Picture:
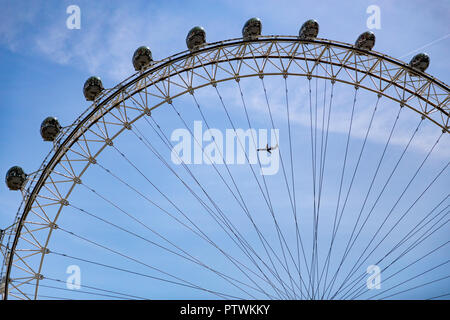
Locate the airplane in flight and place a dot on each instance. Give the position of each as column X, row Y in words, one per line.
column 267, row 148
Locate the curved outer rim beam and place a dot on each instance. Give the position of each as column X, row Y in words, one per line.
column 61, row 148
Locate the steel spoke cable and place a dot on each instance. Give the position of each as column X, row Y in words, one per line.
column 322, row 159
column 41, row 296
column 241, row 144
column 138, row 273
column 286, row 267
column 280, row 234
column 188, row 283
column 265, row 196
column 369, row 190
column 285, row 179
column 395, row 205
column 359, row 157
column 265, row 184
column 99, row 289
column 254, row 175
column 209, row 210
column 186, row 255
column 376, row 201
column 149, row 145
column 356, row 170
column 228, row 187
column 246, row 211
column 421, row 285
column 429, row 232
column 297, row 231
column 409, row 265
column 284, row 174
column 212, row 162
column 169, row 145
column 137, row 220
column 159, row 156
column 414, row 231
column 264, row 181
column 82, row 291
column 322, row 170
column 357, row 292
column 313, row 171
column 299, row 241
column 242, row 204
column 133, row 217
column 230, row 225
column 146, row 178
column 439, row 296
column 418, row 241
column 202, row 235
column 315, row 188
column 336, row 222
column 409, row 249
column 158, row 206
column 418, row 227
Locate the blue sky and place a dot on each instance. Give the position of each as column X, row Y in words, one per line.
column 43, row 66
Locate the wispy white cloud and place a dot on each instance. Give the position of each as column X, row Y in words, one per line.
column 341, row 111
column 16, row 18
column 108, row 37
column 105, row 43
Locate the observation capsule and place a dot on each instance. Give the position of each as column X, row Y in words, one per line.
column 92, row 88
column 420, row 62
column 50, row 128
column 309, row 30
column 365, row 41
column 142, row 57
column 15, row 178
column 195, row 38
column 252, row 28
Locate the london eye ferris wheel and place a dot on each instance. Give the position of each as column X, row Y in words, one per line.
column 261, row 167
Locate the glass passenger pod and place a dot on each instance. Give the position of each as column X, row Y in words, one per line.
column 252, row 29
column 15, row 178
column 421, row 62
column 309, row 30
column 92, row 88
column 142, row 57
column 365, row 41
column 50, row 128
column 196, row 38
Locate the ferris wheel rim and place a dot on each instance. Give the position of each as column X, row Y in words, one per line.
column 64, row 146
